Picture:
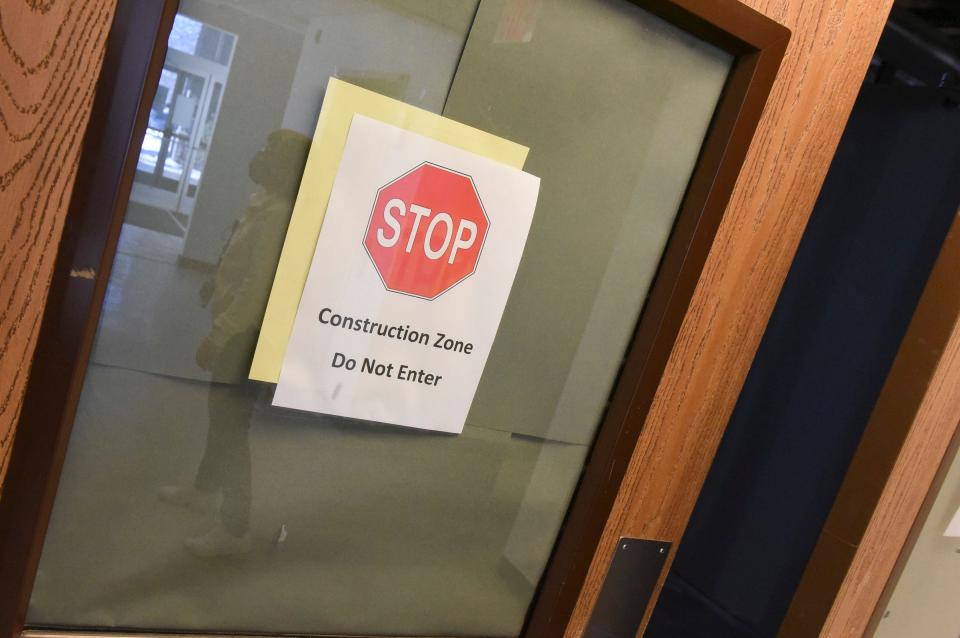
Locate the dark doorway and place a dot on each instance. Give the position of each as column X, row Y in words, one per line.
column 885, row 207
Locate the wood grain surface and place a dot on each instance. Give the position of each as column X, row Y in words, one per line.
column 50, row 55
column 911, row 427
column 870, row 499
column 901, row 500
column 828, row 55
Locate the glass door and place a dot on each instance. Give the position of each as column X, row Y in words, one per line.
column 188, row 502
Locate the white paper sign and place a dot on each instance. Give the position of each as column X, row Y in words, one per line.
column 416, row 257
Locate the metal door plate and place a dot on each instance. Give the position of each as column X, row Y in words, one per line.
column 631, row 579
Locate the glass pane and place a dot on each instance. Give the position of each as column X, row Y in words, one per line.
column 200, row 39
column 184, row 110
column 149, row 150
column 166, row 146
column 181, row 126
column 199, row 159
column 189, row 503
column 157, row 123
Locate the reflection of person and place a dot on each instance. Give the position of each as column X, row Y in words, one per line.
column 237, row 296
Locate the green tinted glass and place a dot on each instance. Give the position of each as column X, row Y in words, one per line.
column 187, row 501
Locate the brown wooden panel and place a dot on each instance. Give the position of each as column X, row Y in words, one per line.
column 828, row 55
column 910, row 429
column 130, row 68
column 801, row 621
column 50, row 57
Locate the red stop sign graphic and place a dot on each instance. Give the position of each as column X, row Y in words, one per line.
column 426, row 231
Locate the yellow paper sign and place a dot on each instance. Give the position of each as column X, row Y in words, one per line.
column 341, row 102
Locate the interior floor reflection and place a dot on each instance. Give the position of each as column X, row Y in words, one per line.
column 408, row 527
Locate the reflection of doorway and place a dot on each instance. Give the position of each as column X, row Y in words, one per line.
column 180, row 128
column 166, row 151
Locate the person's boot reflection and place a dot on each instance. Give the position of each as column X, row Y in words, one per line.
column 237, row 296
column 224, row 470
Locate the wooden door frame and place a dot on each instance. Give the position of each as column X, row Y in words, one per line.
column 893, row 469
column 758, row 45
column 133, row 60
column 682, row 363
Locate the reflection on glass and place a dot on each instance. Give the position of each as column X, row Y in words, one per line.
column 199, row 39
column 237, row 295
column 180, row 127
column 187, row 501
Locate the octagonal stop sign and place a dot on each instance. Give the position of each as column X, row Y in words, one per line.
column 426, row 231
